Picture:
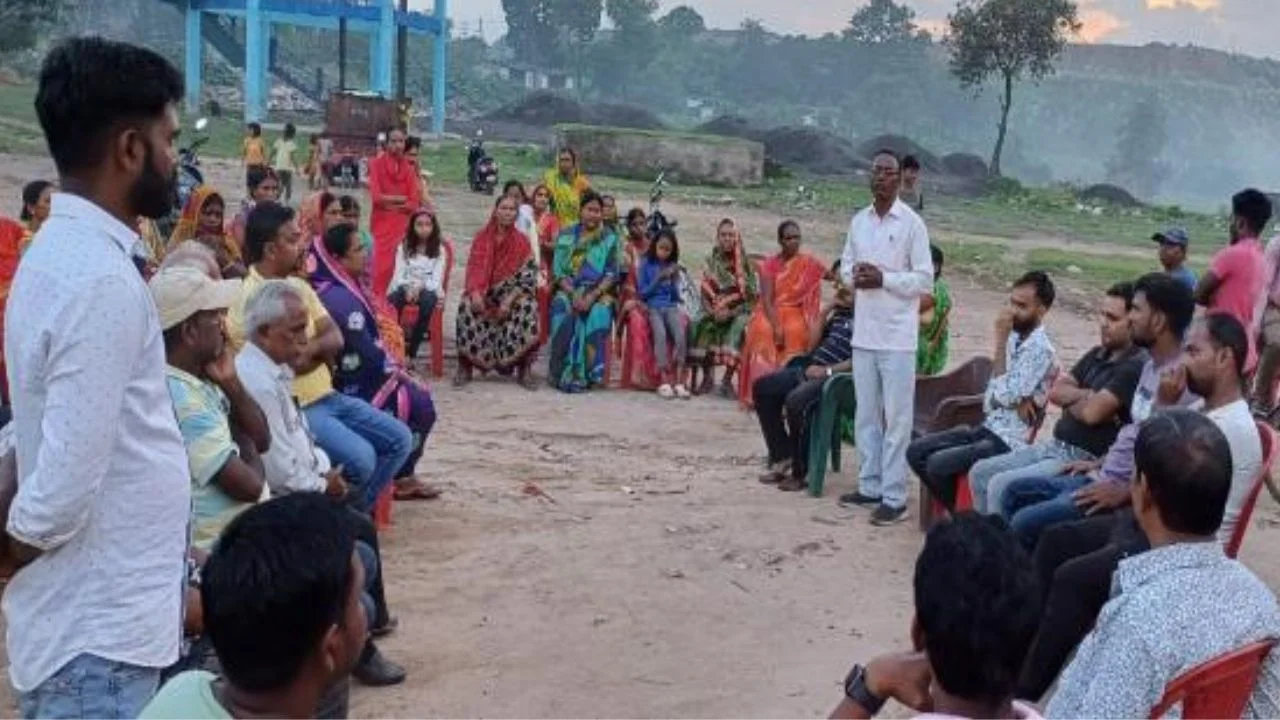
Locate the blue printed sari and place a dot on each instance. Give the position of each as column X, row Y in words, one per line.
column 580, row 340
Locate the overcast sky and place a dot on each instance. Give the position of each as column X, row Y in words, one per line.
column 1251, row 27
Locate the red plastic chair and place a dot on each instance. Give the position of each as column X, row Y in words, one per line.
column 1219, row 688
column 382, row 508
column 1268, row 437
column 436, row 330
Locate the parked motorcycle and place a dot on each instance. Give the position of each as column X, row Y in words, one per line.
column 482, row 169
column 189, row 177
column 657, row 221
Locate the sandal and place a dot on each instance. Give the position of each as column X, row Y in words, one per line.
column 414, row 489
column 665, row 392
column 682, row 392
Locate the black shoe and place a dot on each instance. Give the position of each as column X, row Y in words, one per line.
column 385, row 628
column 857, row 499
column 377, row 671
column 793, row 484
column 884, row 515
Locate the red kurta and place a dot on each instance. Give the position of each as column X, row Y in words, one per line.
column 390, row 175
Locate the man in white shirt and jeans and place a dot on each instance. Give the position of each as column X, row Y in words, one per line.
column 98, row 525
column 887, row 261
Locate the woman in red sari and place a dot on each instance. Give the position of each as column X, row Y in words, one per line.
column 783, row 321
column 13, row 238
column 640, row 367
column 396, row 191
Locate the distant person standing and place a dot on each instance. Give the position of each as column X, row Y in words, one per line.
column 1173, row 255
column 566, row 182
column 1267, row 318
column 284, row 150
column 887, row 261
column 253, row 151
column 1236, row 277
column 98, row 525
column 395, row 191
column 911, row 193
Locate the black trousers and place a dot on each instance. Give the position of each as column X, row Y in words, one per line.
column 940, row 458
column 426, row 308
column 1074, row 561
column 785, row 402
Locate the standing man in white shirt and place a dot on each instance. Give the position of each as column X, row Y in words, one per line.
column 98, row 525
column 887, row 262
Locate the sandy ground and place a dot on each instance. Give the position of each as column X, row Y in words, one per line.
column 654, row 577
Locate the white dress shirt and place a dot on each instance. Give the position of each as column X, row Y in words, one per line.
column 294, row 463
column 103, row 484
column 888, row 318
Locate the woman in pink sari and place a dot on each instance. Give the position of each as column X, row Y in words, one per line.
column 396, row 191
column 783, row 322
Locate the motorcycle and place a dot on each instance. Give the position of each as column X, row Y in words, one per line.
column 482, row 169
column 189, row 177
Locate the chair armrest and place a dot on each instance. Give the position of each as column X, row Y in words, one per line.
column 957, row 411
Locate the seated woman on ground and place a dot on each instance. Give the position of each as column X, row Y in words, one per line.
column 586, row 276
column 728, row 292
column 498, row 316
column 935, row 317
column 202, row 220
column 658, row 287
column 784, row 319
column 364, row 368
column 419, row 275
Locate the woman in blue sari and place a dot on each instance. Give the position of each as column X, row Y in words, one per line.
column 586, row 278
column 365, row 369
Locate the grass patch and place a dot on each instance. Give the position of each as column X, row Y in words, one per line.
column 1096, row 271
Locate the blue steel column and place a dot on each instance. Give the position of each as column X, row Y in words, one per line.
column 254, row 62
column 439, row 68
column 380, row 61
column 194, row 55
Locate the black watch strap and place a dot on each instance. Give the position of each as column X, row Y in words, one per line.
column 855, row 688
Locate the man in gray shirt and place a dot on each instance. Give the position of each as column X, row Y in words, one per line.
column 1181, row 603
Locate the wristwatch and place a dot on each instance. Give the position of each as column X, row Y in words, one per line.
column 830, row 372
column 855, row 688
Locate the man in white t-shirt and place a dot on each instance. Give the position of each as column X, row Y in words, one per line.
column 888, row 262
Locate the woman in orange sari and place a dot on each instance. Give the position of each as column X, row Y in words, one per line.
column 202, row 220
column 790, row 302
column 13, row 238
column 396, row 192
column 323, row 210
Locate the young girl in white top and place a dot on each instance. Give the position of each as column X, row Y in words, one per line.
column 419, row 274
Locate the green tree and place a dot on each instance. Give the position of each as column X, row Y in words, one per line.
column 21, row 22
column 624, row 59
column 531, row 31
column 1138, row 164
column 577, row 22
column 1010, row 39
column 882, row 22
column 682, row 23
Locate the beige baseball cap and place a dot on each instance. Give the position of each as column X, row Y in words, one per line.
column 181, row 292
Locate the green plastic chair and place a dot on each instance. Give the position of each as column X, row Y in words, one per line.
column 838, row 403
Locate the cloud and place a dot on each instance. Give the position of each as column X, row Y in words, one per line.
column 1097, row 25
column 1198, row 5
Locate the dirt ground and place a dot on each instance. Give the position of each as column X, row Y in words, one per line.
column 653, row 577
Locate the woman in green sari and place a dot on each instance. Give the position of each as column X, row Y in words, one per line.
column 586, row 278
column 935, row 317
column 728, row 292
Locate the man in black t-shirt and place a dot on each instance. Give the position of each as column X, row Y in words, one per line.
column 1094, row 397
column 794, row 391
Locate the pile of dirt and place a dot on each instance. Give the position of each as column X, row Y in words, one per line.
column 732, row 126
column 902, row 146
column 546, row 109
column 965, row 165
column 815, row 151
column 1110, row 194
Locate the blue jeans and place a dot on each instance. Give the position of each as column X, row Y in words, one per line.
column 1033, row 504
column 370, row 444
column 92, row 687
column 989, row 478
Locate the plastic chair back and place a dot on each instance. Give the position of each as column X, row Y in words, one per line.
column 944, row 401
column 1219, row 688
column 1268, row 437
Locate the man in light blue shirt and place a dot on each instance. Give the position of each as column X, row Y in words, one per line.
column 1173, row 255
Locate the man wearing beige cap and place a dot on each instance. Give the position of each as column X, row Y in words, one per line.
column 223, row 429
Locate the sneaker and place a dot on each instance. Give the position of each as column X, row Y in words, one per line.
column 884, row 515
column 857, row 499
column 666, row 392
column 683, row 393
